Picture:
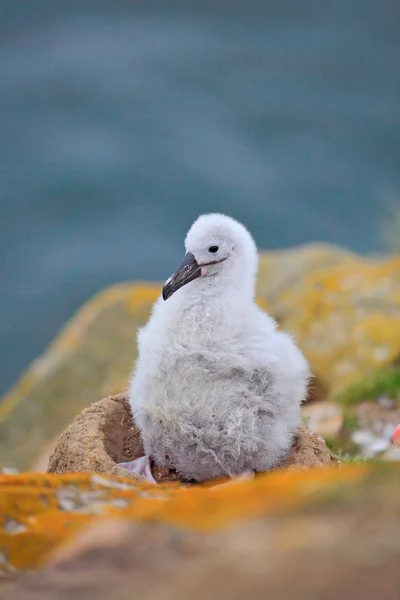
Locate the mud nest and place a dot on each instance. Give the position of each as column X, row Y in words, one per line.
column 104, row 435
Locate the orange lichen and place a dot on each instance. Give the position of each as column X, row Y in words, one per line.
column 40, row 511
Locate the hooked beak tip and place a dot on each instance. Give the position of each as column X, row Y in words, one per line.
column 186, row 272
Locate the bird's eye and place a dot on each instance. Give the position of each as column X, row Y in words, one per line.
column 213, row 249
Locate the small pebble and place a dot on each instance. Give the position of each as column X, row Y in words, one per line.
column 323, row 418
column 386, row 402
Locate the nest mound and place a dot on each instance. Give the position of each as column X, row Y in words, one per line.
column 104, row 435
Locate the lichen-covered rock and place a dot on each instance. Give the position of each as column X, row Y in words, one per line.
column 342, row 309
column 323, row 533
column 104, row 435
column 90, row 359
column 345, row 317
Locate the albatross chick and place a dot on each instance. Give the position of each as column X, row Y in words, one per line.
column 216, row 390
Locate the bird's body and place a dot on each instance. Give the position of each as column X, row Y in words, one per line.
column 216, row 390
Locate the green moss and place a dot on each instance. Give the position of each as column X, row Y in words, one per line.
column 350, row 421
column 385, row 382
column 332, row 444
column 348, row 459
column 343, row 446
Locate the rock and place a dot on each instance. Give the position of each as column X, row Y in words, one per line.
column 323, row 418
column 341, row 308
column 376, row 423
column 377, row 416
column 91, row 358
column 391, row 454
column 322, row 533
column 104, row 434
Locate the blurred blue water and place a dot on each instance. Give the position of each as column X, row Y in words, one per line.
column 120, row 122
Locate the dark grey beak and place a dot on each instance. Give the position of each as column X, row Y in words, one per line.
column 188, row 271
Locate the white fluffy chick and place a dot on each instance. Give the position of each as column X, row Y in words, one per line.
column 216, row 390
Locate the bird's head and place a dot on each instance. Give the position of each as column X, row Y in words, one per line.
column 220, row 252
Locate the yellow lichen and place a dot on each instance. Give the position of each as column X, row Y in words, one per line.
column 142, row 296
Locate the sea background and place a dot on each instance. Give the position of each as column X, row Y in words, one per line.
column 121, row 121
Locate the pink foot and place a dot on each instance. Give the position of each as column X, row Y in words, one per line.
column 140, row 466
column 396, row 437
